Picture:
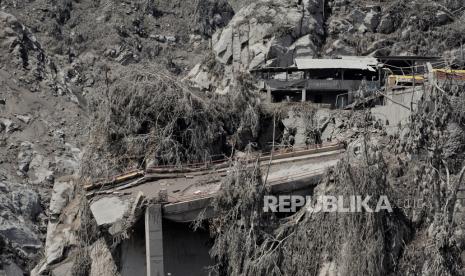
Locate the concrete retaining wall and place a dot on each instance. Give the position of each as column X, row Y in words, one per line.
column 392, row 113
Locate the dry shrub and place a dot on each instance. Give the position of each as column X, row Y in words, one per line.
column 437, row 155
column 382, row 243
column 241, row 223
column 87, row 234
column 148, row 117
column 357, row 243
column 250, row 242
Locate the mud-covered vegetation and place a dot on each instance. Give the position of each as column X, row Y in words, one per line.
column 252, row 242
column 117, row 67
column 149, row 118
column 427, row 238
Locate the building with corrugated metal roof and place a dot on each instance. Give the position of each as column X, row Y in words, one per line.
column 335, row 82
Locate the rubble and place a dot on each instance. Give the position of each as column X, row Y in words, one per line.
column 109, row 210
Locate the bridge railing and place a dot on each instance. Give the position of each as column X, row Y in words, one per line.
column 214, row 165
column 280, row 151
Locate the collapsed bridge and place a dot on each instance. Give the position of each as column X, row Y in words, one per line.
column 170, row 197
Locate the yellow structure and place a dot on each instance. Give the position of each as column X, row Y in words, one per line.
column 404, row 80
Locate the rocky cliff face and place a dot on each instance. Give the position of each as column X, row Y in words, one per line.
column 262, row 33
column 40, row 128
column 56, row 60
column 272, row 33
column 393, row 27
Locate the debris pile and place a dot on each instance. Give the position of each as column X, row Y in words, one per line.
column 151, row 119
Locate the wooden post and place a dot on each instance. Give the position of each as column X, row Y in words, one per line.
column 268, row 94
column 304, row 95
column 379, row 76
column 461, row 52
column 413, row 90
column 431, row 79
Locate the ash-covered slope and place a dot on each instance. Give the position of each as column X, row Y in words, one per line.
column 56, row 60
column 399, row 27
column 41, row 125
column 173, row 33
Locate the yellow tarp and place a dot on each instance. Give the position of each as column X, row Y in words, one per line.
column 449, row 71
column 406, row 77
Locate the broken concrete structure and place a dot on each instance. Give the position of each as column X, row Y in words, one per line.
column 160, row 241
column 109, row 210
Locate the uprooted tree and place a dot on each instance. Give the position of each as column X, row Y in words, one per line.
column 147, row 117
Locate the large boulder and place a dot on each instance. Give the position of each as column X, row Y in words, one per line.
column 386, row 25
column 63, row 192
column 372, row 20
column 340, row 47
column 265, row 32
column 263, row 22
column 62, row 232
column 304, row 47
column 26, row 202
column 109, row 210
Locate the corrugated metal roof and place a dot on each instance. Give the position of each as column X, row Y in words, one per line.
column 369, row 60
column 346, row 63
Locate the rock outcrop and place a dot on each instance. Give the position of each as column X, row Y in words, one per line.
column 262, row 33
column 33, row 153
column 274, row 32
column 358, row 28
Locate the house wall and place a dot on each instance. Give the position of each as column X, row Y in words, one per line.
column 394, row 113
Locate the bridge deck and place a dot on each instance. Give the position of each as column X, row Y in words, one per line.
column 188, row 193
